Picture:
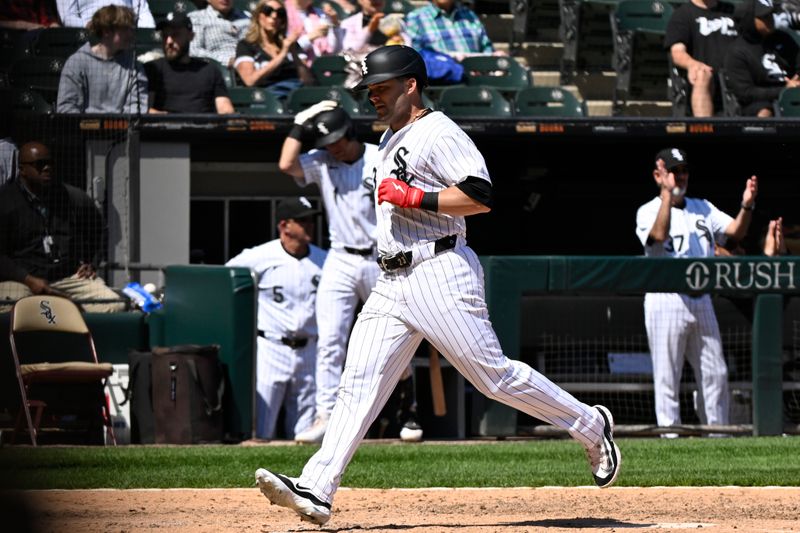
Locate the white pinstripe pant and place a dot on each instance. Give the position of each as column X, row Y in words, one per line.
column 442, row 300
column 680, row 327
column 346, row 280
column 284, row 377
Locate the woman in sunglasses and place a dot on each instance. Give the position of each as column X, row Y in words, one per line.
column 267, row 57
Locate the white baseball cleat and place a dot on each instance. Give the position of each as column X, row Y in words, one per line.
column 411, row 431
column 314, row 434
column 604, row 457
column 286, row 492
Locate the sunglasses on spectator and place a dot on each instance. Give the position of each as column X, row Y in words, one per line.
column 269, row 10
column 38, row 164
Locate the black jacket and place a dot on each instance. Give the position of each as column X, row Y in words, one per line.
column 756, row 66
column 66, row 214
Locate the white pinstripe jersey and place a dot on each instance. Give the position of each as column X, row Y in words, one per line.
column 287, row 287
column 432, row 153
column 692, row 230
column 347, row 193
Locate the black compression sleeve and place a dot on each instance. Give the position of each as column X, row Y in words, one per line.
column 478, row 189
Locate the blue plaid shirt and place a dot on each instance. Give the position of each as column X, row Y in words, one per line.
column 458, row 31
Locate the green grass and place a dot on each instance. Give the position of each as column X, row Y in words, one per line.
column 646, row 462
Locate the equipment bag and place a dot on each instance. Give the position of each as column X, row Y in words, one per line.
column 140, row 395
column 188, row 387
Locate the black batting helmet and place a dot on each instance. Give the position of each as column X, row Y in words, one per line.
column 392, row 61
column 330, row 126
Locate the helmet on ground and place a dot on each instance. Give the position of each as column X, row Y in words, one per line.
column 330, row 126
column 392, row 61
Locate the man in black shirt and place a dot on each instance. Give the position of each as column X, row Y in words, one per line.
column 697, row 36
column 761, row 62
column 182, row 84
column 51, row 236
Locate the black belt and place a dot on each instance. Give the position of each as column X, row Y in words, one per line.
column 291, row 342
column 403, row 259
column 358, row 251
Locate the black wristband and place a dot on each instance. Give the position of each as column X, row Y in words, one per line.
column 430, row 201
column 750, row 208
column 296, row 132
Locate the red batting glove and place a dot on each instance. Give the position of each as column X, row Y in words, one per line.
column 398, row 192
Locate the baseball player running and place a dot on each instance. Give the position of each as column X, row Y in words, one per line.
column 288, row 271
column 684, row 325
column 342, row 167
column 430, row 176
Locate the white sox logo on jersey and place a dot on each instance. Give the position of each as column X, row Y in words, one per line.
column 740, row 275
column 400, row 170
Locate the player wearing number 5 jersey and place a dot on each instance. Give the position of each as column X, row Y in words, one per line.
column 684, row 325
column 288, row 271
column 430, row 176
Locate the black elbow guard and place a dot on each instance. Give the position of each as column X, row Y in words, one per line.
column 478, row 189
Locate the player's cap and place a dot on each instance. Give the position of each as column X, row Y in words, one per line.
column 763, row 8
column 175, row 20
column 330, row 126
column 295, row 208
column 673, row 157
column 392, row 61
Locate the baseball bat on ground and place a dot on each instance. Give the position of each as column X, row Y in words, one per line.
column 437, row 385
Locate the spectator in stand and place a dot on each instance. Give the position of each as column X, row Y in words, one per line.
column 180, row 83
column 774, row 242
column 761, row 62
column 367, row 30
column 78, row 13
column 318, row 29
column 27, row 15
column 449, row 27
column 267, row 57
column 52, row 236
column 105, row 77
column 217, row 30
column 697, row 36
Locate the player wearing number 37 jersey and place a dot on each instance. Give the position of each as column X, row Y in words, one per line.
column 430, row 176
column 684, row 325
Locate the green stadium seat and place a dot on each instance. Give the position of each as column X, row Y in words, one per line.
column 12, row 48
column 730, row 104
column 255, row 101
column 160, row 8
column 60, row 42
column 245, row 5
column 304, row 97
column 638, row 28
column 227, row 74
column 788, row 104
column 474, row 102
column 496, row 71
column 40, row 74
column 330, row 70
column 547, row 102
column 147, row 40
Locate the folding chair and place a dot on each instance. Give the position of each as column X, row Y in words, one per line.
column 41, row 74
column 503, row 73
column 53, row 349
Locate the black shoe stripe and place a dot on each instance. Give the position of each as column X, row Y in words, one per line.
column 302, row 493
column 610, row 444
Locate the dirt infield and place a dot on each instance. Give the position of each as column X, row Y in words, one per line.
column 426, row 510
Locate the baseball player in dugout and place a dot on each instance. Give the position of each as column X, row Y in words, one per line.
column 342, row 167
column 684, row 326
column 429, row 176
column 288, row 270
